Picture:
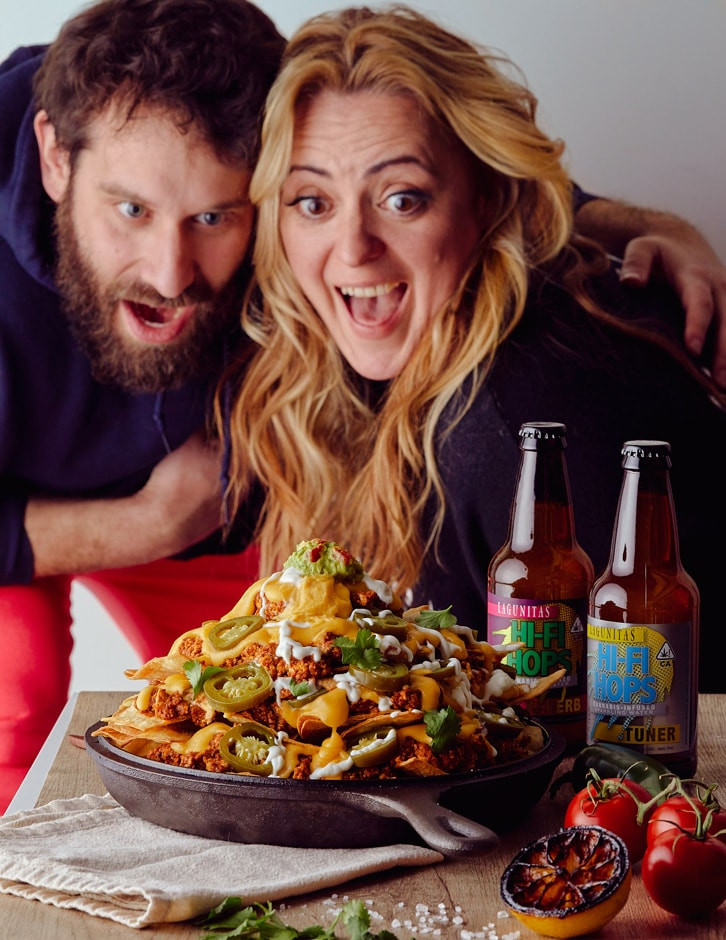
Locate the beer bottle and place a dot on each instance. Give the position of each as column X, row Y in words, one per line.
column 539, row 583
column 642, row 633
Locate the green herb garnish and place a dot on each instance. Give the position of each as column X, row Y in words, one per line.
column 363, row 651
column 436, row 619
column 300, row 688
column 442, row 726
column 260, row 922
column 198, row 676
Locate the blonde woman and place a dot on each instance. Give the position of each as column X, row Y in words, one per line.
column 419, row 294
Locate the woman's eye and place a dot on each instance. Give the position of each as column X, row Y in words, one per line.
column 131, row 210
column 406, row 202
column 311, row 206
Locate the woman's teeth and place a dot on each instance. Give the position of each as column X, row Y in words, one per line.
column 373, row 304
column 376, row 290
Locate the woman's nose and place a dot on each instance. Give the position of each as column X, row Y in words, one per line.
column 357, row 240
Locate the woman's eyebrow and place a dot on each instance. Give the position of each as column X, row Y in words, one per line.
column 371, row 171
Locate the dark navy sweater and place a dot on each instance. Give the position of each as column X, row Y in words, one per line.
column 61, row 432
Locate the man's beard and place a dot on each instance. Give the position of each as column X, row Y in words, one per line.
column 90, row 308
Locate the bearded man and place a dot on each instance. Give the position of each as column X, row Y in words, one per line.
column 125, row 155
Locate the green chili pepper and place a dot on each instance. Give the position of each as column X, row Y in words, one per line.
column 239, row 688
column 304, row 700
column 388, row 677
column 384, row 624
column 444, row 672
column 612, row 760
column 228, row 633
column 374, row 747
column 247, row 747
column 499, row 725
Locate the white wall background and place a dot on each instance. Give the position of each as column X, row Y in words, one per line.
column 637, row 89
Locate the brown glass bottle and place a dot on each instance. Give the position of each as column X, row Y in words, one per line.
column 539, row 582
column 642, row 633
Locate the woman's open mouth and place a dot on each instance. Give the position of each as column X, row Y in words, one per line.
column 373, row 305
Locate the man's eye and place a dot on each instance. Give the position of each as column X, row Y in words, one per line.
column 131, row 210
column 406, row 202
column 211, row 218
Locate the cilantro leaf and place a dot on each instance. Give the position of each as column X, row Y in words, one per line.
column 198, row 676
column 442, row 726
column 363, row 651
column 260, row 922
column 300, row 688
column 356, row 920
column 436, row 619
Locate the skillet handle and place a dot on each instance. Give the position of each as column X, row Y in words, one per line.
column 443, row 830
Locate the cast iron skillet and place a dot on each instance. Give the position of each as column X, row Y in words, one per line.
column 450, row 813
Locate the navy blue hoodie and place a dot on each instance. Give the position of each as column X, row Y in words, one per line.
column 61, row 432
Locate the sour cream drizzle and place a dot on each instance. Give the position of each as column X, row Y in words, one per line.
column 383, row 590
column 333, row 769
column 276, row 753
column 289, row 649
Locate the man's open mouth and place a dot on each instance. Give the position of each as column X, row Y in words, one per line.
column 156, row 325
column 155, row 316
column 373, row 304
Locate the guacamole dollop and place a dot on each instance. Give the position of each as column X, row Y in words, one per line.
column 317, row 556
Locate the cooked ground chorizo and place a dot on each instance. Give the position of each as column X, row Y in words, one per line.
column 267, row 608
column 265, row 714
column 209, row 759
column 169, row 705
column 382, row 772
column 191, row 647
column 302, row 770
column 364, row 706
column 406, row 699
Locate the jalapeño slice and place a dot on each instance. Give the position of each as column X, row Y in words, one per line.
column 247, row 746
column 228, row 633
column 239, row 688
column 388, row 677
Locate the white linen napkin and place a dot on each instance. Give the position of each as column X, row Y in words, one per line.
column 89, row 854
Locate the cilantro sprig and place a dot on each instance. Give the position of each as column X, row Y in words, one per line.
column 364, row 651
column 442, row 725
column 198, row 676
column 436, row 619
column 300, row 688
column 232, row 918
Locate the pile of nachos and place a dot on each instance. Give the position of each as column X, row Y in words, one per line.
column 318, row 672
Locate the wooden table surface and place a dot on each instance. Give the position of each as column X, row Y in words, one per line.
column 466, row 890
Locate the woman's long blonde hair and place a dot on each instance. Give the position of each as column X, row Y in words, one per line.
column 333, row 464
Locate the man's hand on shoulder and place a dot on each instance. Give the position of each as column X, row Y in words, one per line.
column 660, row 245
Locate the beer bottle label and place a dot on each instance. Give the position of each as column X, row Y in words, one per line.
column 553, row 633
column 639, row 692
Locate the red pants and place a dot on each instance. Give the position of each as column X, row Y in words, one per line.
column 151, row 604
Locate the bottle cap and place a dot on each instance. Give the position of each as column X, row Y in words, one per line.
column 532, row 432
column 655, row 454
